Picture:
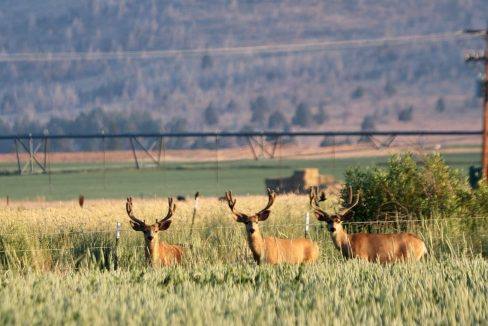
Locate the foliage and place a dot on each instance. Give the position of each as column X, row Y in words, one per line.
column 302, row 117
column 277, row 121
column 259, row 108
column 440, row 106
column 409, row 188
column 406, row 114
column 451, row 291
column 357, row 93
column 368, row 123
column 321, row 116
column 211, row 115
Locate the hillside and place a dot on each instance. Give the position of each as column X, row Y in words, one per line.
column 424, row 85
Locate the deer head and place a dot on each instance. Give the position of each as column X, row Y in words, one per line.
column 334, row 221
column 150, row 231
column 251, row 221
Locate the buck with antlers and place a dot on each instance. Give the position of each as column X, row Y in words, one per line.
column 383, row 248
column 269, row 249
column 157, row 253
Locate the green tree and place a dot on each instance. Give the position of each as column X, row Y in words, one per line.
column 405, row 114
column 440, row 106
column 302, row 115
column 277, row 120
column 321, row 116
column 211, row 115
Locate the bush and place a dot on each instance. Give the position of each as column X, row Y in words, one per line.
column 409, row 188
column 405, row 114
column 302, row 116
column 357, row 93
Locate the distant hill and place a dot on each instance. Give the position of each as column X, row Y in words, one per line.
column 391, row 86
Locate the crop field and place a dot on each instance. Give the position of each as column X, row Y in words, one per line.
column 58, row 264
column 68, row 180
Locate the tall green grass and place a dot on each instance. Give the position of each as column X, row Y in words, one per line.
column 447, row 291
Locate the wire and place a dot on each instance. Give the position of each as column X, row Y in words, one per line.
column 308, row 46
column 264, row 226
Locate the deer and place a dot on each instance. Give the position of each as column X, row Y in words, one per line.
column 272, row 250
column 157, row 253
column 382, row 248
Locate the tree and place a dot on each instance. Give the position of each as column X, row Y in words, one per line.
column 277, row 120
column 389, row 88
column 302, row 116
column 177, row 124
column 5, row 130
column 369, row 123
column 211, row 115
column 207, row 62
column 321, row 116
column 405, row 114
column 259, row 108
column 357, row 93
column 440, row 106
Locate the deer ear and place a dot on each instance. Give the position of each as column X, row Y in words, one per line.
column 136, row 226
column 262, row 216
column 241, row 218
column 164, row 225
column 320, row 216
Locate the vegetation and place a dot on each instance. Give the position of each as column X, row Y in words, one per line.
column 176, row 87
column 69, row 253
column 118, row 180
column 451, row 291
column 406, row 114
column 415, row 189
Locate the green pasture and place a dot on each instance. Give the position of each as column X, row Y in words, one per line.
column 67, row 181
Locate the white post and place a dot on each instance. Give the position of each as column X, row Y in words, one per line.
column 118, row 228
column 307, row 223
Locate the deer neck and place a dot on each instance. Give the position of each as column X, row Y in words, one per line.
column 341, row 241
column 256, row 243
column 152, row 250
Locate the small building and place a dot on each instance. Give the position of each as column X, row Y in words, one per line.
column 300, row 182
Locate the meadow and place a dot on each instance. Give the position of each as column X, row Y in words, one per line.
column 57, row 262
column 118, row 180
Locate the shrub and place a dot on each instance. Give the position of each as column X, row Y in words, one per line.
column 302, row 116
column 409, row 188
column 357, row 93
column 405, row 114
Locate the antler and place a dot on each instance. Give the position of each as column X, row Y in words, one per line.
column 171, row 210
column 128, row 208
column 314, row 201
column 271, row 198
column 232, row 202
column 350, row 204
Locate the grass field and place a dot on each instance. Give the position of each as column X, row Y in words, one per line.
column 58, row 260
column 211, row 178
column 450, row 291
column 57, row 268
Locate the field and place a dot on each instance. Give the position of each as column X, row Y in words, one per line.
column 58, row 265
column 119, row 180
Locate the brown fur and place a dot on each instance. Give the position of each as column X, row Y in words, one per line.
column 157, row 254
column 383, row 248
column 272, row 250
column 162, row 254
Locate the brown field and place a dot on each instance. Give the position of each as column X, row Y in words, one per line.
column 302, row 150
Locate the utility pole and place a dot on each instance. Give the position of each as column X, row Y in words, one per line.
column 482, row 57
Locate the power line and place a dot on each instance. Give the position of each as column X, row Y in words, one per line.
column 309, row 46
